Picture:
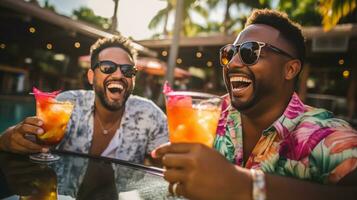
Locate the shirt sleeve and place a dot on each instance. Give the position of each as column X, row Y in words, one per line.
column 159, row 133
column 335, row 156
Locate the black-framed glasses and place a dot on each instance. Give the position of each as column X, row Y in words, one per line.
column 109, row 67
column 248, row 52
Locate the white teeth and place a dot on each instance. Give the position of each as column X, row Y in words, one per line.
column 115, row 85
column 240, row 79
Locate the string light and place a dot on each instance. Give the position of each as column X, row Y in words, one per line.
column 198, row 54
column 32, row 29
column 346, row 74
column 77, row 45
column 164, row 53
column 2, row 46
column 178, row 60
column 341, row 61
column 209, row 64
column 49, row 46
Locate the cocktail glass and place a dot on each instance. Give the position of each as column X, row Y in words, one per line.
column 192, row 117
column 55, row 116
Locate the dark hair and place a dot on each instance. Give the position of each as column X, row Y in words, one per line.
column 290, row 30
column 116, row 41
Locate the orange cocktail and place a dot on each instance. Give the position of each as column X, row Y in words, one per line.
column 192, row 117
column 55, row 116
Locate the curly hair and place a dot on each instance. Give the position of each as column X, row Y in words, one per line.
column 290, row 30
column 115, row 41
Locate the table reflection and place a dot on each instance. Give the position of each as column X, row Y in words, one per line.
column 78, row 177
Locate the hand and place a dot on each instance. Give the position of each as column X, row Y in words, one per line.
column 14, row 138
column 202, row 172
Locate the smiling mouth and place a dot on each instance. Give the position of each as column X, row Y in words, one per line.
column 115, row 87
column 239, row 83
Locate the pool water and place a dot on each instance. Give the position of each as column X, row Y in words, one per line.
column 13, row 112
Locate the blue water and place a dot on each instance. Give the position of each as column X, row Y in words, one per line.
column 13, row 112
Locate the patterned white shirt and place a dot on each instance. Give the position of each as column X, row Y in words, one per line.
column 143, row 127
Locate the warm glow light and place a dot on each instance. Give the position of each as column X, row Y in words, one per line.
column 32, row 30
column 346, row 74
column 2, row 46
column 198, row 54
column 209, row 63
column 341, row 62
column 49, row 46
column 179, row 60
column 164, row 53
column 77, row 45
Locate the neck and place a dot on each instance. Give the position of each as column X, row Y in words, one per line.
column 267, row 111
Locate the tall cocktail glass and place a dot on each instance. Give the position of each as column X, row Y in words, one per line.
column 55, row 116
column 192, row 117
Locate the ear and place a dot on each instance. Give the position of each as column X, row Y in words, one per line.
column 90, row 76
column 292, row 69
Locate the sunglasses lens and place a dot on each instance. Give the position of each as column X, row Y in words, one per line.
column 249, row 52
column 127, row 70
column 107, row 67
column 226, row 54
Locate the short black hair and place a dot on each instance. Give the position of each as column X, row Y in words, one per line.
column 115, row 41
column 290, row 30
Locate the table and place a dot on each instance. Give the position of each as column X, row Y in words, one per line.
column 78, row 176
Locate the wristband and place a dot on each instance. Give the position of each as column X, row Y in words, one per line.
column 258, row 177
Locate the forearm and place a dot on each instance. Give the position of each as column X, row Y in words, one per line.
column 279, row 187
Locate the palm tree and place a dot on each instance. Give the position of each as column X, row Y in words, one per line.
column 189, row 27
column 228, row 21
column 302, row 11
column 333, row 10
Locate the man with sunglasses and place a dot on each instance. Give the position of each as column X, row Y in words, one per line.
column 273, row 146
column 106, row 121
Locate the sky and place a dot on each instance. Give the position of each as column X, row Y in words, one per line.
column 133, row 15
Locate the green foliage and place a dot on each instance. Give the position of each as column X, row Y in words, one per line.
column 304, row 12
column 334, row 10
column 87, row 15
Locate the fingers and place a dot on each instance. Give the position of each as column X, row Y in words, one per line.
column 174, row 160
column 175, row 175
column 29, row 129
column 172, row 148
column 15, row 140
column 33, row 121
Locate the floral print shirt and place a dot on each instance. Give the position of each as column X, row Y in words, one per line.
column 143, row 127
column 305, row 142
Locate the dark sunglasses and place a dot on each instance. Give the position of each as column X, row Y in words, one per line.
column 248, row 52
column 109, row 67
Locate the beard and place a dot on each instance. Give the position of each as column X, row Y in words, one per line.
column 261, row 89
column 101, row 93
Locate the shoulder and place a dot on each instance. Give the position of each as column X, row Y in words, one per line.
column 322, row 118
column 80, row 97
column 137, row 103
column 75, row 94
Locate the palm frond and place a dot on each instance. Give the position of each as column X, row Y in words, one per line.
column 333, row 10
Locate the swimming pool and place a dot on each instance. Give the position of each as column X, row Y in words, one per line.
column 14, row 111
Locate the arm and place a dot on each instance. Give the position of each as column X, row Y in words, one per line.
column 157, row 136
column 203, row 173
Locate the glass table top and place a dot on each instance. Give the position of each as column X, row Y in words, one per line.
column 77, row 176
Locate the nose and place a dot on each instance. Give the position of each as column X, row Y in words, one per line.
column 118, row 73
column 235, row 62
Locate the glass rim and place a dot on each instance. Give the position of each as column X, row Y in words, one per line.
column 193, row 94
